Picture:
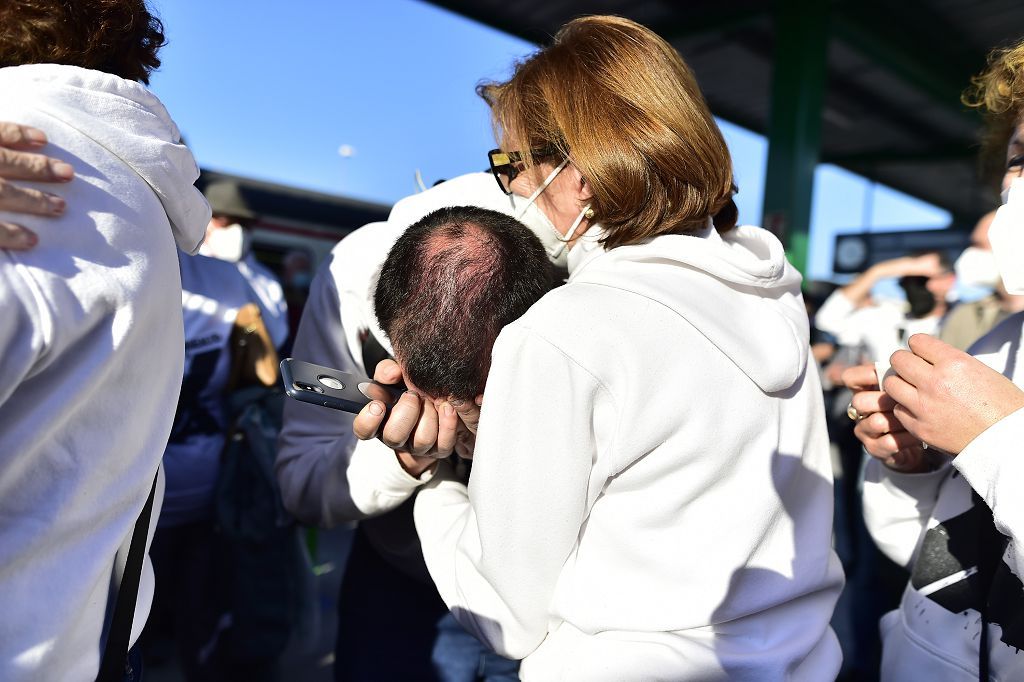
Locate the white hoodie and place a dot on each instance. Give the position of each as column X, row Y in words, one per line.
column 944, row 526
column 91, row 351
column 651, row 495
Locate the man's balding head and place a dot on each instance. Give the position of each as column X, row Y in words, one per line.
column 448, row 286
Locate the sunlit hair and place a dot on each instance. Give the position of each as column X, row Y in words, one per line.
column 119, row 37
column 998, row 92
column 624, row 106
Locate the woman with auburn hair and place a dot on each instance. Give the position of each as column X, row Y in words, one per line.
column 951, row 510
column 651, row 488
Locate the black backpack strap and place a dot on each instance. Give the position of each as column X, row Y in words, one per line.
column 115, row 654
column 373, row 353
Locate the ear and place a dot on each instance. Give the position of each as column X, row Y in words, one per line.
column 583, row 192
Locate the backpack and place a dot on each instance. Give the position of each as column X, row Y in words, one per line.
column 266, row 579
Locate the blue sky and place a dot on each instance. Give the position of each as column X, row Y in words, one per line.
column 275, row 90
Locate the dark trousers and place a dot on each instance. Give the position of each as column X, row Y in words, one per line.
column 394, row 627
column 188, row 606
column 184, row 601
column 873, row 582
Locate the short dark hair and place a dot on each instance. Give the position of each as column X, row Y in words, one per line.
column 119, row 37
column 449, row 285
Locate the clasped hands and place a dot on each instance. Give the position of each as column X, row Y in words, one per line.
column 939, row 395
column 420, row 430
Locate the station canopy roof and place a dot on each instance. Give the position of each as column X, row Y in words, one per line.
column 295, row 207
column 895, row 74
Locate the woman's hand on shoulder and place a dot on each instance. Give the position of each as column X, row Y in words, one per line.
column 20, row 160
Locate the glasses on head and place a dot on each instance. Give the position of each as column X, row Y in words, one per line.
column 506, row 166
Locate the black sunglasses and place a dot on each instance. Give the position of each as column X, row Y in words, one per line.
column 506, row 166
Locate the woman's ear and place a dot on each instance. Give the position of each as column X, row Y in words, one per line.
column 583, row 193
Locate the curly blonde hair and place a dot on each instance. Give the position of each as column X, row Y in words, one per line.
column 998, row 92
column 999, row 89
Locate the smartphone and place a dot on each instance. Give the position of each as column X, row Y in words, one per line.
column 333, row 388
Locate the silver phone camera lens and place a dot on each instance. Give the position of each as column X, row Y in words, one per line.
column 330, row 382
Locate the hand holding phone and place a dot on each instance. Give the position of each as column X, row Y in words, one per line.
column 328, row 387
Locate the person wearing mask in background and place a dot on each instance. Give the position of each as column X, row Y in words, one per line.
column 976, row 269
column 878, row 329
column 651, row 494
column 952, row 510
column 91, row 347
column 229, row 238
column 296, row 279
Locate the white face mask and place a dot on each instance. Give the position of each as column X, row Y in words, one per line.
column 1007, row 237
column 1015, row 191
column 229, row 243
column 529, row 213
column 976, row 268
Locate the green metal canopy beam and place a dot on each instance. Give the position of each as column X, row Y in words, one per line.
column 794, row 129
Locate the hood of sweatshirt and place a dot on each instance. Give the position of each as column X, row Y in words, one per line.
column 737, row 289
column 130, row 122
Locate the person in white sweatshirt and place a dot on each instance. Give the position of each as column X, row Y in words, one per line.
column 651, row 490
column 229, row 238
column 942, row 492
column 91, row 344
column 877, row 328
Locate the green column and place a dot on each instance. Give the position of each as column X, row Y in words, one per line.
column 794, row 129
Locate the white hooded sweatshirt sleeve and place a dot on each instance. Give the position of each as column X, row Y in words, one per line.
column 651, row 488
column 91, row 353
